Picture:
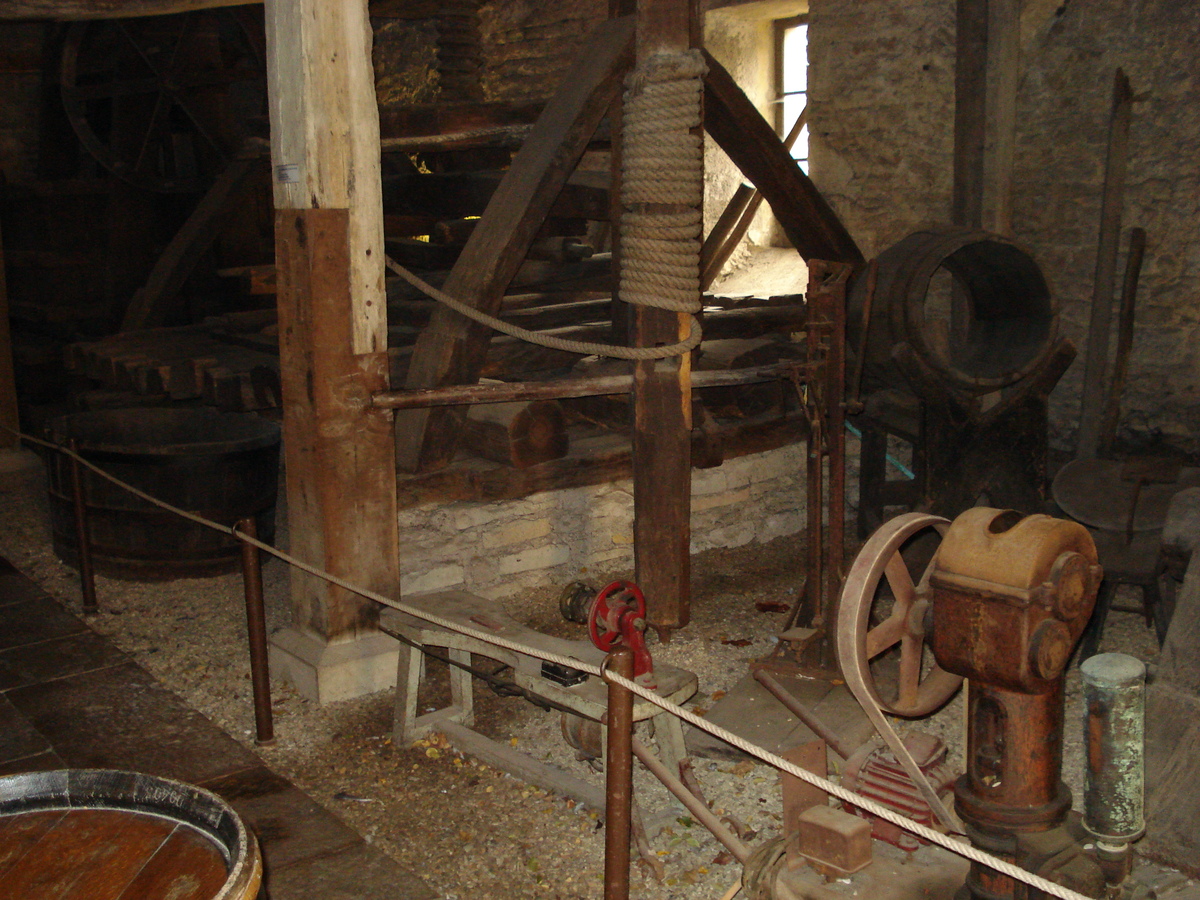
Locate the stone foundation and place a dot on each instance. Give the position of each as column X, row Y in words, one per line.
column 498, row 549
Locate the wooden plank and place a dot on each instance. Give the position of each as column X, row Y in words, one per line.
column 452, row 349
column 970, row 112
column 188, row 866
column 340, row 469
column 1095, row 370
column 524, row 767
column 737, row 126
column 8, row 379
column 152, row 304
column 91, row 854
column 1000, row 143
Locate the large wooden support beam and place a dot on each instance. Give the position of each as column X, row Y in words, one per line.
column 332, row 311
column 341, row 482
column 987, row 67
column 752, row 144
column 662, row 396
column 452, row 349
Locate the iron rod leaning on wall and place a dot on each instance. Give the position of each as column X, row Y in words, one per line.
column 503, row 392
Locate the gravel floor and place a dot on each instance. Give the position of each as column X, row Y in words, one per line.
column 469, row 829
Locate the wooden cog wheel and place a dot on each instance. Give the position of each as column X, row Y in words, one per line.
column 859, row 642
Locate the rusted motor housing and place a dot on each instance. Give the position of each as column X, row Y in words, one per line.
column 1011, row 320
column 1011, row 596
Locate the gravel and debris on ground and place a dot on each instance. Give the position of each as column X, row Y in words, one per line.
column 472, row 831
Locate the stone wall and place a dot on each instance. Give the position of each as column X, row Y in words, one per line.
column 499, row 549
column 527, row 44
column 882, row 94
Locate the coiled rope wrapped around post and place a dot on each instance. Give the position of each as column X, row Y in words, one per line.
column 662, row 190
column 662, row 186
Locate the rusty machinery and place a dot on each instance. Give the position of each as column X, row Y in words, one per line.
column 1002, row 604
column 956, row 351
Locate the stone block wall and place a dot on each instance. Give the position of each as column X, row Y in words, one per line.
column 498, row 549
column 527, row 45
column 882, row 95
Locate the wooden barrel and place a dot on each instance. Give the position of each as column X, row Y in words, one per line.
column 96, row 834
column 224, row 466
column 1010, row 316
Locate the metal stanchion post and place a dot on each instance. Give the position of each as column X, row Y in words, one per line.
column 256, row 627
column 618, row 779
column 87, row 576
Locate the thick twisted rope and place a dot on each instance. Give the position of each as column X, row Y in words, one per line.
column 837, row 790
column 586, row 348
column 661, row 192
column 662, row 184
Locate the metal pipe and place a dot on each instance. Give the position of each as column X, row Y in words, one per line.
column 618, row 778
column 693, row 803
column 87, row 575
column 256, row 628
column 801, row 712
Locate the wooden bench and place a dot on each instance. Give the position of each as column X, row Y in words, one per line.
column 588, row 699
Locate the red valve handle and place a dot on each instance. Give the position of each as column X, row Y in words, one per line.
column 606, row 612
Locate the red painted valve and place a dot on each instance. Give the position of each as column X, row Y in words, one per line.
column 618, row 615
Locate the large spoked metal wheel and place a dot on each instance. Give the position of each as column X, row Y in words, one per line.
column 162, row 101
column 881, row 575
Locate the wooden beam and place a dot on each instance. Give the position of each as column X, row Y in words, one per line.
column 662, row 394
column 970, row 112
column 340, row 466
column 151, row 305
column 752, row 144
column 452, row 349
column 1095, row 370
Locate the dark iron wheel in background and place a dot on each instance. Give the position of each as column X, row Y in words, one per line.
column 162, row 101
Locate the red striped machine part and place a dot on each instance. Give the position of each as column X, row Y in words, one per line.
column 875, row 773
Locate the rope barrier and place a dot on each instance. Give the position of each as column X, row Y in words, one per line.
column 587, row 348
column 923, row 831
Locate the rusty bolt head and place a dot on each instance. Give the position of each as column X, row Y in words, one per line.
column 1070, row 584
column 1050, row 648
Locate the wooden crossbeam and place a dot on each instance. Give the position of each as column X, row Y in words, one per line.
column 452, row 349
column 739, row 128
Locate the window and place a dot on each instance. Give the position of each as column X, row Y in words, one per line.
column 791, row 81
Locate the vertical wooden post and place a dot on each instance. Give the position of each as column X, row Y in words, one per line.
column 340, row 460
column 985, row 122
column 662, row 397
column 1095, row 369
column 8, row 380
